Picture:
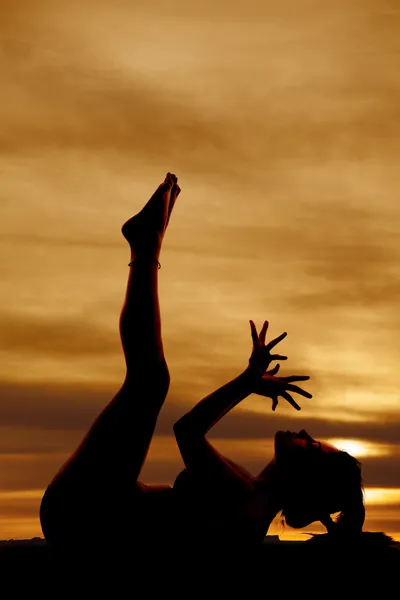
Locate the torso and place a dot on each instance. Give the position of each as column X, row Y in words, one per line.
column 185, row 513
column 188, row 512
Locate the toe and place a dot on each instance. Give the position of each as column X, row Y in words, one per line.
column 168, row 181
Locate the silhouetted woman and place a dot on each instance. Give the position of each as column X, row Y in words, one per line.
column 97, row 498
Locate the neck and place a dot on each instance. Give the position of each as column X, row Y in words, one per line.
column 267, row 483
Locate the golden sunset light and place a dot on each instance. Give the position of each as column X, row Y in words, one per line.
column 281, row 120
column 382, row 496
column 360, row 448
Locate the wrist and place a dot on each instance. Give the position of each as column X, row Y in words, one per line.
column 252, row 374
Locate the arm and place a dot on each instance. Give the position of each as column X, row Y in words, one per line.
column 199, row 456
column 214, row 406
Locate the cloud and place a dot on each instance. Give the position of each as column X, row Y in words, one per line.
column 73, row 408
column 88, row 85
column 34, row 334
column 49, row 241
column 34, row 469
column 45, row 406
column 29, row 471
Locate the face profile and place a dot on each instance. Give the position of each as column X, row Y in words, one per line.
column 319, row 480
column 290, row 441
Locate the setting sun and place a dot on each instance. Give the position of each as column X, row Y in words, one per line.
column 358, row 447
column 382, row 496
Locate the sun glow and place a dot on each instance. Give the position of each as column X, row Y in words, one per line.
column 382, row 496
column 357, row 447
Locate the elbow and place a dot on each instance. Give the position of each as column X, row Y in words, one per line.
column 185, row 428
column 183, row 435
column 181, row 428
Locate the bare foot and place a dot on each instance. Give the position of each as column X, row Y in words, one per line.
column 176, row 190
column 144, row 232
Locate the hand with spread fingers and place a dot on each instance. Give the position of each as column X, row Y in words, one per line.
column 261, row 356
column 272, row 387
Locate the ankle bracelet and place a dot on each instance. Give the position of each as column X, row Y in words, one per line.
column 152, row 259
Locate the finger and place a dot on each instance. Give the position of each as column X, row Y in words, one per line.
column 274, row 370
column 298, row 390
column 263, row 332
column 289, row 399
column 276, row 341
column 254, row 333
column 278, row 357
column 291, row 378
column 274, row 403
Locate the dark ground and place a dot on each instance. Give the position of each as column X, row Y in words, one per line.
column 360, row 567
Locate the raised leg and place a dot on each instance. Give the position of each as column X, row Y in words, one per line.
column 98, row 479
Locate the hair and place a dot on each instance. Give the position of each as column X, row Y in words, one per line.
column 338, row 475
column 352, row 514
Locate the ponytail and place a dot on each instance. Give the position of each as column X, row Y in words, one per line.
column 352, row 516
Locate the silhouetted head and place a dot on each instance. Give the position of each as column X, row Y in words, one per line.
column 317, row 480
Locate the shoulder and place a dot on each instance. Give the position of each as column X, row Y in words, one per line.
column 244, row 472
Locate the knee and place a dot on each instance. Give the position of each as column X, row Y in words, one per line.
column 159, row 379
column 153, row 379
column 187, row 425
column 187, row 432
column 163, row 376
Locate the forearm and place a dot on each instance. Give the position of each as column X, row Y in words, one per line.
column 213, row 407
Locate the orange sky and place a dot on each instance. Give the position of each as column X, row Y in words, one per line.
column 281, row 119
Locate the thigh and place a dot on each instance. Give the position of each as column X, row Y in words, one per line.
column 90, row 515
